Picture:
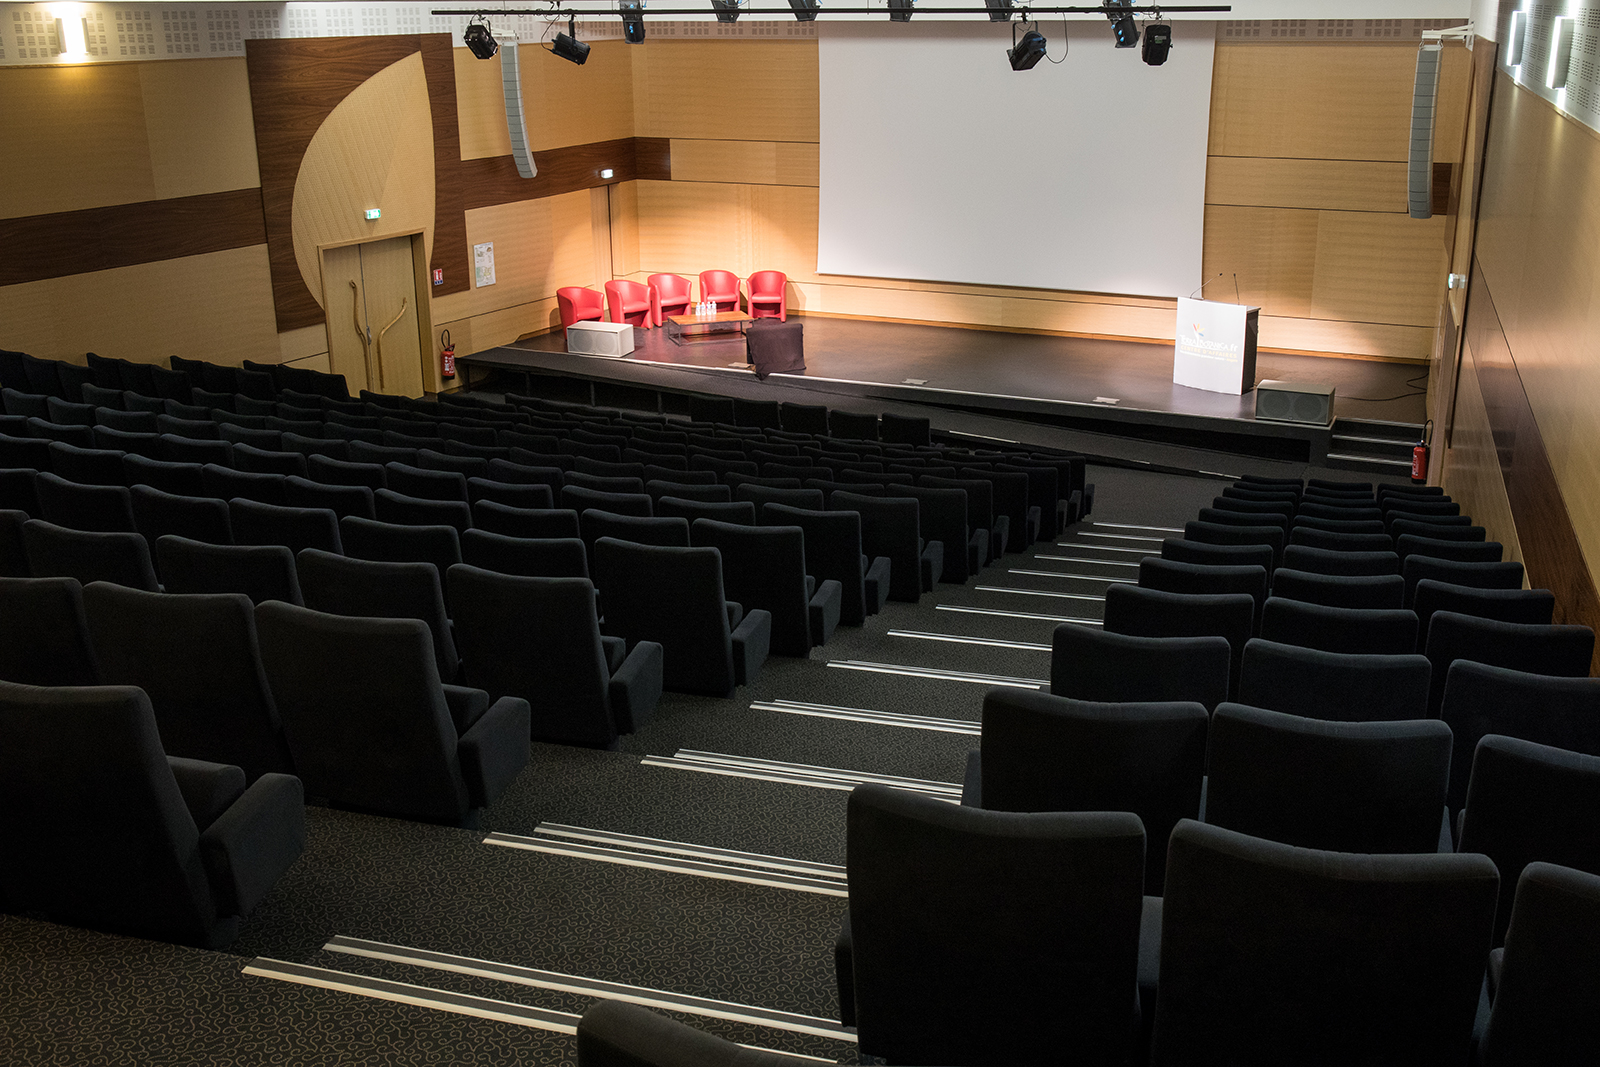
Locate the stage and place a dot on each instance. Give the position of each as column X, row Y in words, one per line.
column 1115, row 388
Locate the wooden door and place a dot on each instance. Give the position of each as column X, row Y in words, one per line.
column 370, row 296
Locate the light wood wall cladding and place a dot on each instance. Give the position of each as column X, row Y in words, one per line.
column 1538, row 249
column 80, row 137
column 216, row 306
column 96, row 239
column 1329, row 101
column 727, row 90
column 745, row 162
column 373, row 150
column 1331, row 184
column 565, row 104
column 539, row 246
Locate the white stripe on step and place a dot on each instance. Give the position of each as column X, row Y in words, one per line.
column 866, row 715
column 956, row 639
column 1036, row 592
column 1081, row 577
column 1015, row 614
column 935, row 673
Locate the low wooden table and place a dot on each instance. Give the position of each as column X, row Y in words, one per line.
column 680, row 328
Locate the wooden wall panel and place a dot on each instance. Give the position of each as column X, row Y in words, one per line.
column 1273, row 251
column 727, row 90
column 1328, row 101
column 622, row 208
column 1379, row 268
column 216, row 306
column 1471, row 466
column 74, row 138
column 450, row 253
column 373, row 150
column 745, row 162
column 1319, row 184
column 564, row 104
column 197, row 117
column 96, row 239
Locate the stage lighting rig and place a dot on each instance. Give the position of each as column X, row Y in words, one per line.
column 1157, row 43
column 804, row 10
column 1122, row 25
column 900, row 10
column 727, row 10
column 632, row 20
column 1024, row 54
column 567, row 45
column 479, row 41
column 999, row 10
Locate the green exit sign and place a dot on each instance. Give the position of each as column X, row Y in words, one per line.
column 374, row 213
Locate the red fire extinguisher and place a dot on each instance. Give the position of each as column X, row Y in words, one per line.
column 447, row 357
column 1419, row 453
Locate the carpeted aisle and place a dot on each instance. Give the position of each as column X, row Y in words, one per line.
column 699, row 862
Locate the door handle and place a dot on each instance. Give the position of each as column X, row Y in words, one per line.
column 404, row 301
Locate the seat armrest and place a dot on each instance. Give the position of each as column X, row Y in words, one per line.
column 932, row 562
column 751, row 643
column 635, row 688
column 495, row 750
column 877, row 584
column 254, row 842
column 811, row 586
column 977, row 551
column 824, row 607
column 999, row 536
column 1034, row 523
column 207, row 788
column 972, row 781
column 1446, row 841
column 614, row 1033
column 844, row 970
column 1073, row 508
column 1497, row 963
column 616, row 650
column 466, row 706
column 1088, row 500
column 735, row 613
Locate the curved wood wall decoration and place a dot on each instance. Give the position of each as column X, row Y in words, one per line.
column 295, row 85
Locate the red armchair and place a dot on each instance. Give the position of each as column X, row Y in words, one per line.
column 673, row 293
column 721, row 287
column 769, row 296
column 625, row 299
column 579, row 304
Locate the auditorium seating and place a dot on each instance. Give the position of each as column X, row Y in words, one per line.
column 44, row 633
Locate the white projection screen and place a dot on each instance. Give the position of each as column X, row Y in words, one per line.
column 941, row 163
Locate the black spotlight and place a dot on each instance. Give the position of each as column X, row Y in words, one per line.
column 632, row 20
column 1157, row 43
column 1122, row 26
column 567, row 45
column 1027, row 51
column 900, row 10
column 727, row 10
column 804, row 10
column 479, row 41
column 999, row 10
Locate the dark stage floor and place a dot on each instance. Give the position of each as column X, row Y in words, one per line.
column 1073, row 370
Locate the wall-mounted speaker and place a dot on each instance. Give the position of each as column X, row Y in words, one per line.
column 516, row 125
column 1311, row 405
column 1424, row 96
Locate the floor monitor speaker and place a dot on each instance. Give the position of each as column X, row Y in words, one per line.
column 1295, row 402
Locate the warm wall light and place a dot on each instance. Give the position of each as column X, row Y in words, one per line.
column 71, row 37
column 1562, row 31
column 1516, row 37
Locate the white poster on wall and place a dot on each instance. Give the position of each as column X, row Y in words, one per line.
column 483, row 264
column 941, row 163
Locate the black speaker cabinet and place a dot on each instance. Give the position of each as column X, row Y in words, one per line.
column 1295, row 402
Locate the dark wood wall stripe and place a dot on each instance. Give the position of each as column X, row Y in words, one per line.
column 450, row 253
column 495, row 180
column 1550, row 549
column 295, row 84
column 78, row 242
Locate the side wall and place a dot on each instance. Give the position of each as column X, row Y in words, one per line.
column 151, row 215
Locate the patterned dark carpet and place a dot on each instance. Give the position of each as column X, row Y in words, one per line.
column 73, row 996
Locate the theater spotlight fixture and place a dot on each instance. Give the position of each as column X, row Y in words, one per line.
column 900, row 10
column 1157, row 43
column 1122, row 26
column 999, row 10
column 632, row 20
column 804, row 10
column 1026, row 52
column 727, row 10
column 567, row 45
column 479, row 41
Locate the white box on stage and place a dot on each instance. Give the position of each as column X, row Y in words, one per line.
column 1216, row 346
column 600, row 338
